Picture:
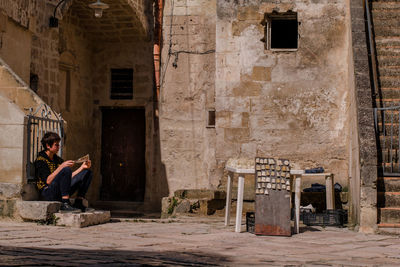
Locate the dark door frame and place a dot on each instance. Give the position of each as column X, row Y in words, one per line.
column 141, row 107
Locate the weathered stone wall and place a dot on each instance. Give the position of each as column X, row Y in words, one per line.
column 74, row 66
column 365, row 193
column 187, row 92
column 284, row 104
column 15, row 46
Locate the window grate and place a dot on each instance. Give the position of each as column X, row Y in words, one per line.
column 121, row 84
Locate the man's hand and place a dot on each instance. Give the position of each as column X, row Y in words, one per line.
column 86, row 165
column 67, row 163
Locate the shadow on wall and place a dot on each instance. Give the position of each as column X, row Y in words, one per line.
column 59, row 257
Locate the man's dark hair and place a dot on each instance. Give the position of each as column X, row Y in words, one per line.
column 50, row 138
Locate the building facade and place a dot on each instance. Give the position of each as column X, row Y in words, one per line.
column 237, row 79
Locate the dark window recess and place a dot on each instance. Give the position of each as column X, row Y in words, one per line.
column 211, row 118
column 281, row 30
column 34, row 82
column 121, row 84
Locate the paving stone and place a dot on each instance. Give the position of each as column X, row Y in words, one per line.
column 37, row 210
column 82, row 219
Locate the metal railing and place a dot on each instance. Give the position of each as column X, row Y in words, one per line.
column 387, row 127
column 37, row 126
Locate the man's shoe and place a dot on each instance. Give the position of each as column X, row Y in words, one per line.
column 66, row 207
column 81, row 207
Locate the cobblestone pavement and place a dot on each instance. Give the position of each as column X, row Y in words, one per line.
column 189, row 242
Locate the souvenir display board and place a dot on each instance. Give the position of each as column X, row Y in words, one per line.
column 273, row 189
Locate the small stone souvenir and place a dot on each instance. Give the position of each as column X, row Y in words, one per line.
column 283, row 168
column 263, row 173
column 273, row 186
column 267, row 167
column 282, row 181
column 279, row 162
column 259, row 185
column 283, row 186
column 268, row 179
column 266, row 192
column 273, row 180
column 257, row 160
column 286, row 162
column 278, row 168
column 288, row 175
column 278, row 181
column 258, row 167
column 288, row 182
column 258, row 173
column 269, row 185
column 288, row 187
column 278, row 186
column 272, row 173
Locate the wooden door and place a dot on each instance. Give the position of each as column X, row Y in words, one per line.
column 123, row 155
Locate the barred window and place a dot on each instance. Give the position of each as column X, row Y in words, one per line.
column 121, row 84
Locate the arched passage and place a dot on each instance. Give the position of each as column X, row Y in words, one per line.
column 106, row 65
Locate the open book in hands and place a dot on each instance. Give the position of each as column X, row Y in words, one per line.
column 82, row 159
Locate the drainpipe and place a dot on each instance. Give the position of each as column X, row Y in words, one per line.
column 157, row 48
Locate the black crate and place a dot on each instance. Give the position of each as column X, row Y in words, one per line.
column 327, row 218
column 250, row 222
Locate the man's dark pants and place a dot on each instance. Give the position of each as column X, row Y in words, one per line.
column 63, row 185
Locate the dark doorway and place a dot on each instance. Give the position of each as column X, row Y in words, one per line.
column 123, row 166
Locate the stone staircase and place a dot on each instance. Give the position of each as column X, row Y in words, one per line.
column 386, row 26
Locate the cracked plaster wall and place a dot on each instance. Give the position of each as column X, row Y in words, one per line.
column 291, row 105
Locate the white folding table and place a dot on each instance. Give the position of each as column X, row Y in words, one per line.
column 296, row 176
column 239, row 206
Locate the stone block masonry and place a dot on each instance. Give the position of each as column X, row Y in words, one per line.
column 286, row 104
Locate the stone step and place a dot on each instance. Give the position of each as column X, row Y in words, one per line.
column 82, row 219
column 388, row 199
column 387, row 30
column 385, row 5
column 388, row 93
column 391, row 41
column 126, row 214
column 389, row 184
column 390, row 81
column 36, row 210
column 382, row 22
column 388, row 51
column 390, row 71
column 119, row 205
column 389, row 228
column 385, row 15
column 389, row 215
column 200, row 193
column 384, row 61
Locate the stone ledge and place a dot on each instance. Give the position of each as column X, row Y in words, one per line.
column 200, row 193
column 82, row 219
column 37, row 210
column 9, row 190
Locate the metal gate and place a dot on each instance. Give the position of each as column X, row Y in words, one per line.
column 36, row 128
column 387, row 127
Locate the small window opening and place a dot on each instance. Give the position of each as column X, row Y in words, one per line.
column 281, row 31
column 211, row 118
column 34, row 82
column 121, row 84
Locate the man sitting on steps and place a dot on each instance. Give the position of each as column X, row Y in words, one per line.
column 55, row 179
